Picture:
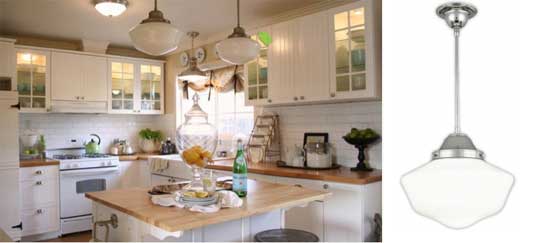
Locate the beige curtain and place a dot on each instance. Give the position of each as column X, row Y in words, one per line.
column 221, row 80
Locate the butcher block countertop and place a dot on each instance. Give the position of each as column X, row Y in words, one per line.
column 343, row 174
column 262, row 197
column 137, row 156
column 38, row 162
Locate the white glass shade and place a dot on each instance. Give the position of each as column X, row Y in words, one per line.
column 155, row 38
column 110, row 8
column 237, row 50
column 194, row 78
column 457, row 192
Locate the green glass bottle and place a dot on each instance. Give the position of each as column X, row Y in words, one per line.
column 240, row 171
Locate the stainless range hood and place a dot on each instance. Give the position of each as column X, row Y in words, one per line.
column 92, row 107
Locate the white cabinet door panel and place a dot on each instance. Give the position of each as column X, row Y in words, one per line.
column 40, row 220
column 281, row 60
column 39, row 192
column 67, row 76
column 10, row 203
column 9, row 127
column 94, row 86
column 7, row 61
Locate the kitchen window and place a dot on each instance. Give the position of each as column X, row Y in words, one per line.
column 228, row 113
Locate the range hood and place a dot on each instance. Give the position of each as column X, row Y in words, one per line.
column 92, row 107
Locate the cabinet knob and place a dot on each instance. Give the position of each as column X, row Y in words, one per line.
column 295, row 98
column 39, row 172
column 269, row 100
column 39, row 211
column 297, row 185
column 325, row 186
column 302, row 97
column 82, row 97
column 333, row 94
column 39, row 183
column 78, row 97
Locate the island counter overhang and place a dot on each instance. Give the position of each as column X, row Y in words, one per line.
column 262, row 198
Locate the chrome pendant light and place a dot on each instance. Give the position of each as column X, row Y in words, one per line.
column 193, row 73
column 111, row 8
column 457, row 188
column 155, row 35
column 238, row 48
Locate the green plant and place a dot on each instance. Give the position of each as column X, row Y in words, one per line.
column 148, row 134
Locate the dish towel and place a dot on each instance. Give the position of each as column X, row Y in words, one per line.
column 227, row 199
column 158, row 164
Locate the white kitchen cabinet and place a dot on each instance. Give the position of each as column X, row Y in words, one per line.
column 78, row 77
column 145, row 173
column 134, row 174
column 7, row 65
column 256, row 73
column 355, row 50
column 10, row 203
column 135, row 86
column 33, row 79
column 282, row 62
column 9, row 127
column 40, row 200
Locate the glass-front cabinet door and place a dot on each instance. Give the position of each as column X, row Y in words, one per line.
column 151, row 87
column 122, row 86
column 33, row 79
column 136, row 87
column 353, row 73
column 256, row 73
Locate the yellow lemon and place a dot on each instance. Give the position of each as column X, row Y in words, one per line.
column 202, row 194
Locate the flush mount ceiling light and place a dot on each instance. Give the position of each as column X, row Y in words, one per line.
column 457, row 188
column 155, row 35
column 238, row 48
column 193, row 73
column 111, row 8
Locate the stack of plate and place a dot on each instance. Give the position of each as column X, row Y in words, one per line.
column 190, row 201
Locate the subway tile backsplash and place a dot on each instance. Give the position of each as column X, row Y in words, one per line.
column 61, row 129
column 335, row 119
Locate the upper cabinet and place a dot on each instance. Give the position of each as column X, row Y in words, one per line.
column 7, row 65
column 79, row 78
column 135, row 87
column 33, row 79
column 353, row 45
column 330, row 56
column 256, row 72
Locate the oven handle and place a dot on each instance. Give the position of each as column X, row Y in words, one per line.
column 98, row 171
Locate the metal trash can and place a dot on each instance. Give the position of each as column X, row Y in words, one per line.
column 285, row 235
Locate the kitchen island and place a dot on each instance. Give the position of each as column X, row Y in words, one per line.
column 140, row 220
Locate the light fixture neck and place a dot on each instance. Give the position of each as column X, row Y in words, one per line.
column 238, row 32
column 458, row 145
column 155, row 16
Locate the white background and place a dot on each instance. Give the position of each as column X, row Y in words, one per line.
column 499, row 81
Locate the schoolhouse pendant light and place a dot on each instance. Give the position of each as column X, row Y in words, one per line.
column 457, row 188
column 155, row 35
column 111, row 8
column 193, row 73
column 238, row 48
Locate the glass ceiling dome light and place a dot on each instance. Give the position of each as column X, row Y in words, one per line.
column 238, row 48
column 155, row 35
column 111, row 8
column 457, row 188
column 193, row 73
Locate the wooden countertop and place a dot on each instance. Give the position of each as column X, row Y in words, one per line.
column 262, row 197
column 343, row 174
column 38, row 162
column 4, row 237
column 137, row 156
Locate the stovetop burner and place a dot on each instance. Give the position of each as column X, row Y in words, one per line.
column 96, row 156
column 73, row 156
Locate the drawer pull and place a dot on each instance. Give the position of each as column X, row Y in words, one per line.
column 333, row 94
column 39, row 183
column 325, row 186
column 39, row 172
column 297, row 185
column 39, row 211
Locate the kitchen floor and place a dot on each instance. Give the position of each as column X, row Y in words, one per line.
column 75, row 237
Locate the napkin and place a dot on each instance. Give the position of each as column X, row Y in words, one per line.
column 227, row 199
column 158, row 164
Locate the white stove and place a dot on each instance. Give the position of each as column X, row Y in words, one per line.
column 79, row 174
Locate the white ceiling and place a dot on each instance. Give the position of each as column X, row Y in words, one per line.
column 78, row 19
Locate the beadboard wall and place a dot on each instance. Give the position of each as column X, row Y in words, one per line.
column 60, row 129
column 335, row 119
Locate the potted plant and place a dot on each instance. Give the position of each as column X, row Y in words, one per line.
column 150, row 140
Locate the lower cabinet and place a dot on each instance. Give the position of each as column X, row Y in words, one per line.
column 135, row 173
column 40, row 200
column 345, row 216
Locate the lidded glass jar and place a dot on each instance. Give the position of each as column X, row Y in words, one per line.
column 196, row 141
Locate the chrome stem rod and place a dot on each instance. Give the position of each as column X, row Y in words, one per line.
column 457, row 128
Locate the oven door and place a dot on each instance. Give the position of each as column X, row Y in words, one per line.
column 75, row 183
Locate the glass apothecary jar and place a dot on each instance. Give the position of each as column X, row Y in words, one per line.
column 196, row 141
